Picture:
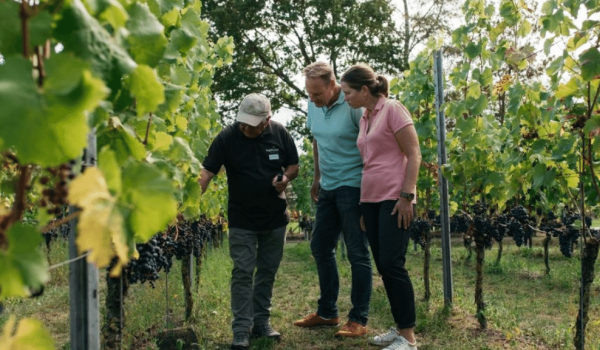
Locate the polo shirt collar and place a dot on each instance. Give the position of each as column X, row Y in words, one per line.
column 340, row 101
column 379, row 104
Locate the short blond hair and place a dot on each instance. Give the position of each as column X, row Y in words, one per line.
column 319, row 70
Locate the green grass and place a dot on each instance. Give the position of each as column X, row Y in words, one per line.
column 525, row 308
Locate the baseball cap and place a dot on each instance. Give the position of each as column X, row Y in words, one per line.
column 254, row 109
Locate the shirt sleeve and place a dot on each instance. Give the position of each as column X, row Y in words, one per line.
column 308, row 115
column 356, row 114
column 216, row 155
column 398, row 116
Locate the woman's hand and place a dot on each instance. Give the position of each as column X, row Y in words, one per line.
column 362, row 224
column 404, row 208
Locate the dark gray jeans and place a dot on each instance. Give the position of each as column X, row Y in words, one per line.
column 256, row 256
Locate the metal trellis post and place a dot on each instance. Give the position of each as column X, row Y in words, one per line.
column 83, row 281
column 444, row 203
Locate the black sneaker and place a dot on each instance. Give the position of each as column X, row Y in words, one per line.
column 241, row 341
column 265, row 330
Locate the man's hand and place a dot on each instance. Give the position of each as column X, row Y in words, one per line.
column 404, row 208
column 314, row 191
column 280, row 186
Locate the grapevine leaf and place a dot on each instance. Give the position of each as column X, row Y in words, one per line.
column 191, row 197
column 122, row 141
column 83, row 35
column 23, row 264
column 181, row 152
column 149, row 196
column 568, row 89
column 590, row 64
column 162, row 141
column 48, row 119
column 473, row 50
column 107, row 162
column 101, row 224
column 147, row 41
column 171, row 18
column 29, row 335
column 11, row 40
column 146, row 89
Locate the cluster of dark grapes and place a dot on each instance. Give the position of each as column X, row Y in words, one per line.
column 568, row 235
column 478, row 208
column 459, row 223
column 419, row 229
column 55, row 196
column 178, row 242
column 484, row 231
column 152, row 259
column 500, row 224
column 519, row 227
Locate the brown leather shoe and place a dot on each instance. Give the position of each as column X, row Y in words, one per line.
column 314, row 320
column 352, row 330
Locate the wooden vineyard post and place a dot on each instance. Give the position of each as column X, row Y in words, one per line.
column 83, row 281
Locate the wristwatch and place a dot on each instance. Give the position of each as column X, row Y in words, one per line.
column 408, row 196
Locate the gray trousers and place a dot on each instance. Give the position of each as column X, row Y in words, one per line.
column 251, row 291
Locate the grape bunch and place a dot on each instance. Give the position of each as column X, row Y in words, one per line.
column 478, row 208
column 500, row 224
column 150, row 262
column 520, row 214
column 484, row 231
column 177, row 242
column 419, row 229
column 459, row 223
column 518, row 226
column 54, row 196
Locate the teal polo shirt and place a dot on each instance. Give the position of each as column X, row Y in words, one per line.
column 336, row 129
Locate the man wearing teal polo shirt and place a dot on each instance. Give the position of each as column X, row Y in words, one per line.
column 336, row 190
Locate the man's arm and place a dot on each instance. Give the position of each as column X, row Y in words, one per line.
column 205, row 177
column 314, row 189
column 290, row 173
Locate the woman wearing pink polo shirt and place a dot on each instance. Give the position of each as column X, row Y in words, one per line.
column 389, row 146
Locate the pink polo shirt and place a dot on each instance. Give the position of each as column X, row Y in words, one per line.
column 384, row 163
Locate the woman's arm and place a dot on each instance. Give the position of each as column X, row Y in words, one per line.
column 408, row 141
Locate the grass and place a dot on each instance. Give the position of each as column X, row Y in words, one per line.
column 525, row 308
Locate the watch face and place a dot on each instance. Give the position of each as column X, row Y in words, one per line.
column 409, row 196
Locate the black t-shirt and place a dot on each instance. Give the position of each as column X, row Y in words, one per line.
column 251, row 165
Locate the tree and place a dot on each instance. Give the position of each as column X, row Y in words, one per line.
column 275, row 39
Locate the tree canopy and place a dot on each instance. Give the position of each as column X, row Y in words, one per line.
column 275, row 39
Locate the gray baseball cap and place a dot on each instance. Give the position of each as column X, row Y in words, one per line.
column 254, row 109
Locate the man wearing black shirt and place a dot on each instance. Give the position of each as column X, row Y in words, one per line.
column 260, row 159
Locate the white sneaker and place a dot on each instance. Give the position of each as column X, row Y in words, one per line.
column 385, row 338
column 401, row 344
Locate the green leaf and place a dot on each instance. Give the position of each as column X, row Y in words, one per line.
column 568, row 89
column 23, row 264
column 162, row 141
column 146, row 89
column 83, row 35
column 148, row 195
column 11, row 39
column 473, row 50
column 122, row 141
column 590, row 64
column 146, row 39
column 29, row 335
column 50, row 129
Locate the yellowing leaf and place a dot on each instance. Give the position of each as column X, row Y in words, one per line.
column 30, row 335
column 100, row 223
column 162, row 141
